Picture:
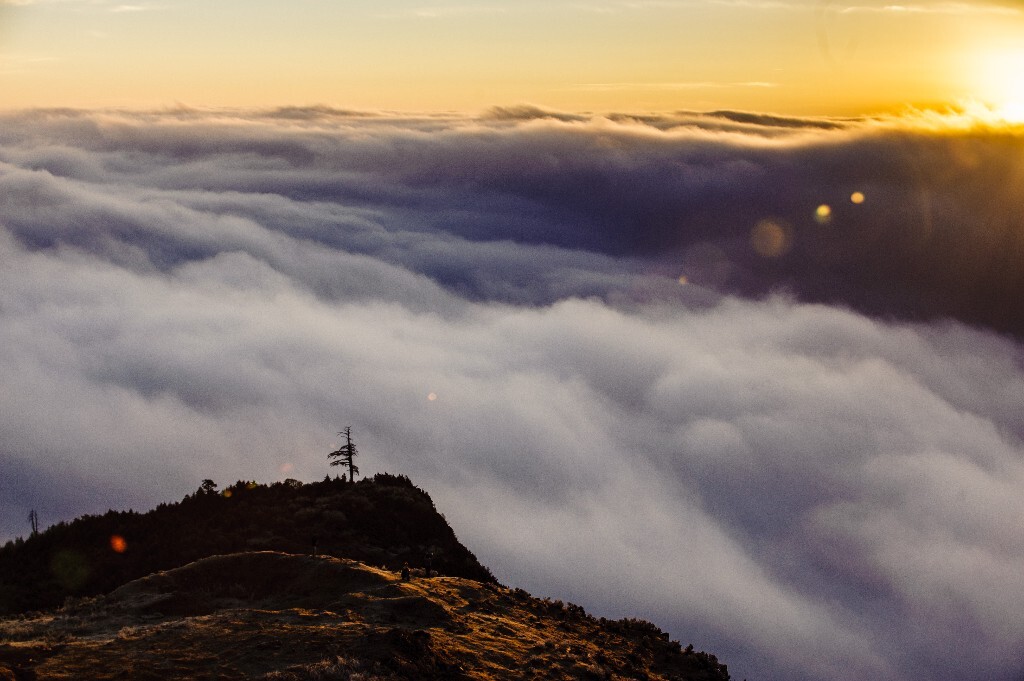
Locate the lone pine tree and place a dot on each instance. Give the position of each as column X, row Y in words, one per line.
column 344, row 455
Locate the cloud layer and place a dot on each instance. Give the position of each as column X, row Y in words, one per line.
column 915, row 221
column 494, row 305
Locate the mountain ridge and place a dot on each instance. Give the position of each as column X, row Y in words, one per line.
column 320, row 588
column 384, row 520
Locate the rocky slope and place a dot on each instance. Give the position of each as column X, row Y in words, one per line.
column 285, row 617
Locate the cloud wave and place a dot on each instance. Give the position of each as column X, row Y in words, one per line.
column 494, row 305
column 935, row 230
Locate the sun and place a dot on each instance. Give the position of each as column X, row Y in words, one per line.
column 998, row 77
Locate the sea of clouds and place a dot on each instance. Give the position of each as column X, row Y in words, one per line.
column 757, row 379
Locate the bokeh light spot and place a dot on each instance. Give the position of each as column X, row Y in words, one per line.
column 857, row 197
column 227, row 493
column 770, row 239
column 823, row 214
column 118, row 544
column 432, row 397
column 683, row 280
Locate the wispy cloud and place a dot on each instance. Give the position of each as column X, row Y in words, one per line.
column 445, row 11
column 948, row 8
column 16, row 63
column 100, row 5
column 133, row 8
column 685, row 85
column 607, row 7
column 619, row 6
column 937, row 7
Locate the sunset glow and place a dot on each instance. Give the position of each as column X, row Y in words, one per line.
column 803, row 57
column 1000, row 75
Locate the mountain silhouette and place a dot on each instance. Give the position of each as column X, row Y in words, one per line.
column 384, row 520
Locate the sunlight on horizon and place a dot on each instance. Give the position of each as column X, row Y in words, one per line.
column 1002, row 82
column 799, row 58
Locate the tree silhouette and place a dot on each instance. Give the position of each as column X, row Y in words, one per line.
column 33, row 518
column 344, row 455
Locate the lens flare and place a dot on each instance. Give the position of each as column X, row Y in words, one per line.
column 770, row 239
column 857, row 198
column 823, row 214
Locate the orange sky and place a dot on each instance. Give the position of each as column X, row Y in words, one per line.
column 785, row 56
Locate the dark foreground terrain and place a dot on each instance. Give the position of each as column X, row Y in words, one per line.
column 384, row 520
column 278, row 616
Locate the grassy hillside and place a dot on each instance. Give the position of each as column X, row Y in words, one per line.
column 280, row 617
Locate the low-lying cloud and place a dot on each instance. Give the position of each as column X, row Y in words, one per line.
column 494, row 305
column 891, row 218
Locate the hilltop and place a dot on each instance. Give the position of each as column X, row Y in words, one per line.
column 226, row 585
column 281, row 617
column 384, row 520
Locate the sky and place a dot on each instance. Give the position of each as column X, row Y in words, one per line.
column 784, row 56
column 702, row 312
